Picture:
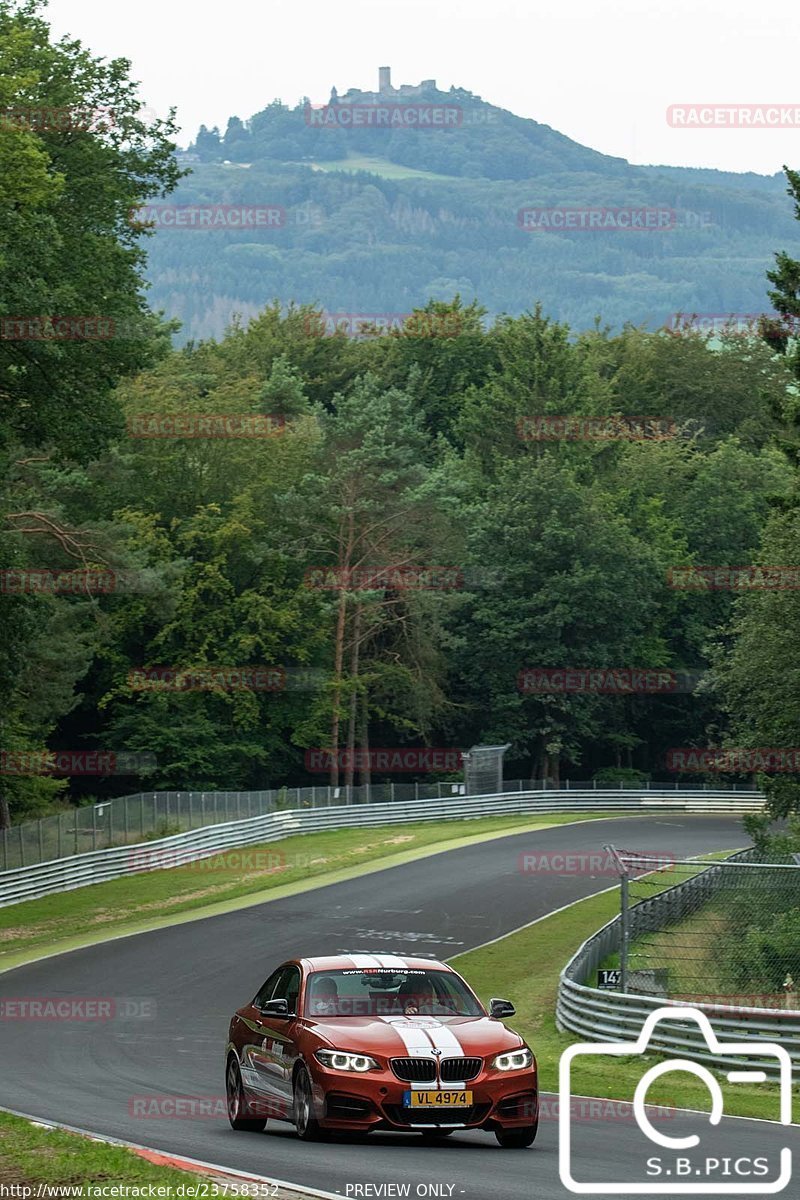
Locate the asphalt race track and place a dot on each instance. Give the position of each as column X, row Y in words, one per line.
column 89, row 1074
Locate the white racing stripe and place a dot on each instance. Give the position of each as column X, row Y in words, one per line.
column 364, row 961
column 445, row 1040
column 392, row 960
column 414, row 1037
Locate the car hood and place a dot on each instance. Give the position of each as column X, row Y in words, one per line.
column 414, row 1036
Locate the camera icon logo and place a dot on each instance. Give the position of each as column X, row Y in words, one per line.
column 702, row 1169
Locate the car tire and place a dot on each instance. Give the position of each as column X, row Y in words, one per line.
column 238, row 1108
column 307, row 1126
column 517, row 1139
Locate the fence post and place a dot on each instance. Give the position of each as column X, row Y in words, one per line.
column 41, row 841
column 141, row 811
column 626, row 933
column 5, row 849
column 111, row 824
column 624, row 917
column 391, row 791
column 22, row 862
column 94, row 826
column 127, row 821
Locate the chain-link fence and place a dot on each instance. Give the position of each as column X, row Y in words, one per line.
column 147, row 815
column 727, row 934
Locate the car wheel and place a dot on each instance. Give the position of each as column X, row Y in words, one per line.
column 238, row 1109
column 307, row 1126
column 517, row 1139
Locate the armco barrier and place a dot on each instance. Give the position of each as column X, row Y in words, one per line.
column 127, row 819
column 97, row 866
column 606, row 1016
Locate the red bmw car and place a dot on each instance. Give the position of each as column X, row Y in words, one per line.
column 376, row 1041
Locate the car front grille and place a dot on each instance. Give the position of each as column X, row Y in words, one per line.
column 456, row 1070
column 423, row 1070
column 415, row 1070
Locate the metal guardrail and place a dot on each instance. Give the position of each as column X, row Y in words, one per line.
column 606, row 1016
column 98, row 866
column 125, row 820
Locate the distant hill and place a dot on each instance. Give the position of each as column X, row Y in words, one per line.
column 379, row 219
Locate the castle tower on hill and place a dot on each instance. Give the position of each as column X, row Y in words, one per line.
column 385, row 90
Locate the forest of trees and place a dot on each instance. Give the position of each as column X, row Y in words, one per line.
column 394, row 454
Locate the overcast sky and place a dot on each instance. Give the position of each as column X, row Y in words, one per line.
column 601, row 71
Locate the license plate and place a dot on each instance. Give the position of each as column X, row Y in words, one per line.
column 437, row 1099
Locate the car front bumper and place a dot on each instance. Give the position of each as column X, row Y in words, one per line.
column 374, row 1100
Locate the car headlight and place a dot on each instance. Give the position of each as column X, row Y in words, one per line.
column 341, row 1060
column 514, row 1060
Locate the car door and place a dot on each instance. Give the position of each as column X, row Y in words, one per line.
column 254, row 1075
column 270, row 1050
column 279, row 1051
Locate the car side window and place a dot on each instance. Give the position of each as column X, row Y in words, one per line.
column 267, row 989
column 288, row 987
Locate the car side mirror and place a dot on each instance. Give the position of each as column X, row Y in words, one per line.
column 276, row 1008
column 501, row 1008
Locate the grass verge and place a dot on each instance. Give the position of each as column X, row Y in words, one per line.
column 525, row 967
column 236, row 879
column 32, row 1155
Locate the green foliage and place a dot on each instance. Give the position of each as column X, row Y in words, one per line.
column 388, row 452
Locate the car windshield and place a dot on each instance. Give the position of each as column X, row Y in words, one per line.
column 369, row 992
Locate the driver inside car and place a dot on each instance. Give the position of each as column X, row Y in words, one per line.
column 326, row 998
column 422, row 1000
